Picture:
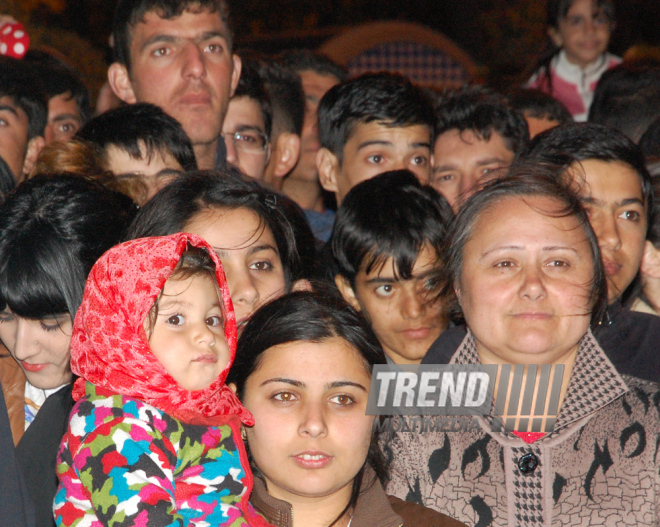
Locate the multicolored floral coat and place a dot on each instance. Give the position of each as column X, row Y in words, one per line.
column 125, row 462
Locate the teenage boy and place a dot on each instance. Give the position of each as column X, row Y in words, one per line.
column 141, row 140
column 477, row 137
column 373, row 124
column 23, row 114
column 614, row 185
column 177, row 54
column 248, row 123
column 387, row 237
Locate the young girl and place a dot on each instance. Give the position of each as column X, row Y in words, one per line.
column 580, row 33
column 154, row 437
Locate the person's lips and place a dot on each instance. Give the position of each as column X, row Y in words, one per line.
column 312, row 459
column 611, row 268
column 208, row 358
column 417, row 333
column 533, row 315
column 196, row 99
column 33, row 367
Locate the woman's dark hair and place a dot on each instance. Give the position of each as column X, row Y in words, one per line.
column 52, row 231
column 524, row 180
column 310, row 317
column 556, row 12
column 7, row 181
column 178, row 203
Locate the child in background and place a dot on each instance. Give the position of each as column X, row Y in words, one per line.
column 154, row 436
column 580, row 33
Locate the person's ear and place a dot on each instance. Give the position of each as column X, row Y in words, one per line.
column 347, row 292
column 233, row 387
column 555, row 37
column 286, row 154
column 120, row 82
column 650, row 261
column 327, row 165
column 34, row 147
column 236, row 73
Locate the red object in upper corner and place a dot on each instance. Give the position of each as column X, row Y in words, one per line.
column 14, row 40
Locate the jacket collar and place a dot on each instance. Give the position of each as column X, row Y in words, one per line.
column 373, row 507
column 594, row 383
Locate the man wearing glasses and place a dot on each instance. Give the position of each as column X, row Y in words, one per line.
column 247, row 126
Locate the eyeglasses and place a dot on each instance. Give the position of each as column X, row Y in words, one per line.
column 250, row 141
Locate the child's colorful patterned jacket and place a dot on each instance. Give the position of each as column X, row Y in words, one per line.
column 140, row 450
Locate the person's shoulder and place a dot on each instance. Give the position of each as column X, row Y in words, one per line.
column 444, row 347
column 417, row 515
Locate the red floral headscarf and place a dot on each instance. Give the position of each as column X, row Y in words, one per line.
column 109, row 346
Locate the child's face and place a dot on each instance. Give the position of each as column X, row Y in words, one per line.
column 188, row 337
column 405, row 321
column 584, row 33
column 374, row 148
column 614, row 201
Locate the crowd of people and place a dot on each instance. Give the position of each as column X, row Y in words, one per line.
column 198, row 280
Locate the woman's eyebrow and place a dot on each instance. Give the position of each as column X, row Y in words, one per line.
column 339, row 384
column 284, row 380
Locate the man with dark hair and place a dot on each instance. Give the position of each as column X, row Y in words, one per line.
column 68, row 98
column 141, row 140
column 541, row 110
column 318, row 74
column 373, row 124
column 477, row 135
column 23, row 114
column 387, row 237
column 248, row 124
column 627, row 98
column 177, row 54
column 288, row 102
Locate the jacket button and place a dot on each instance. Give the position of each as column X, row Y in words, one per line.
column 528, row 463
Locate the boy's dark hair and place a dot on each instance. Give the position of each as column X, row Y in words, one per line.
column 649, row 143
column 58, row 79
column 300, row 60
column 251, row 85
column 627, row 98
column 18, row 82
column 7, row 181
column 130, row 13
column 286, row 95
column 127, row 127
column 388, row 99
column 569, row 143
column 482, row 112
column 389, row 216
column 538, row 104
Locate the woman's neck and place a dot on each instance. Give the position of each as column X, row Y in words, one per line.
column 316, row 511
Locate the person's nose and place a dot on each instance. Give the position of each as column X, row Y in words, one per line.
column 532, row 286
column 313, row 422
column 413, row 304
column 232, row 153
column 26, row 344
column 194, row 65
column 468, row 183
column 203, row 334
column 607, row 232
column 242, row 288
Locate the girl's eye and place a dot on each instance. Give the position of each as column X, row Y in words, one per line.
column 376, row 159
column 385, row 290
column 261, row 266
column 175, row 320
column 214, row 321
column 49, row 324
column 6, row 316
column 631, row 215
column 285, row 397
column 420, row 161
column 343, row 400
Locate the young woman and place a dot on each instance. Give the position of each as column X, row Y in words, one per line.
column 243, row 224
column 303, row 369
column 52, row 230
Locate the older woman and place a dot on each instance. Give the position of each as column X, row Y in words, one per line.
column 526, row 269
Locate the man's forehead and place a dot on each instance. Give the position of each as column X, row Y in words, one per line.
column 155, row 21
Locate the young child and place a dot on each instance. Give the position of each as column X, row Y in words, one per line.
column 154, row 436
column 580, row 33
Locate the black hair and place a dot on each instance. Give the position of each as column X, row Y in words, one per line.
column 133, row 126
column 482, row 112
column 251, row 85
column 555, row 13
column 300, row 60
column 649, row 143
column 389, row 216
column 57, row 78
column 286, row 95
column 388, row 99
column 627, row 98
column 7, row 181
column 569, row 143
column 129, row 13
column 52, row 231
column 175, row 205
column 525, row 179
column 538, row 104
column 18, row 82
column 310, row 317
